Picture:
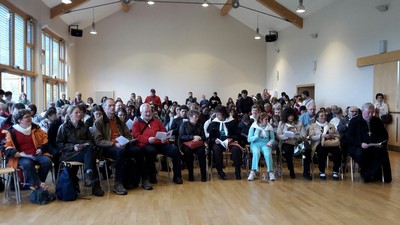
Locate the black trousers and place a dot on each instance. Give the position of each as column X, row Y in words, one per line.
column 323, row 153
column 188, row 157
column 218, row 157
column 289, row 150
column 151, row 151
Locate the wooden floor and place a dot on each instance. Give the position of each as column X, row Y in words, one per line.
column 226, row 202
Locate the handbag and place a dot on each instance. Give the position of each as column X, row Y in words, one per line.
column 330, row 143
column 299, row 149
column 387, row 118
column 194, row 144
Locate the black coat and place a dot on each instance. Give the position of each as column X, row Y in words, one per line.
column 188, row 130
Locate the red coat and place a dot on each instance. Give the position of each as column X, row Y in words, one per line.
column 142, row 135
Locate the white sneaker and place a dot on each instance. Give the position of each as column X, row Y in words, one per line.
column 252, row 175
column 271, row 176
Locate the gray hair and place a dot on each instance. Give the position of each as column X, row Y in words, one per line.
column 19, row 114
column 367, row 105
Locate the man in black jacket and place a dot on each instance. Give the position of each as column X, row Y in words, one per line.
column 367, row 139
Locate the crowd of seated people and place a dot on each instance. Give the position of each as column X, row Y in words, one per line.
column 264, row 123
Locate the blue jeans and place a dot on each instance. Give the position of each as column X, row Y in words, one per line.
column 28, row 165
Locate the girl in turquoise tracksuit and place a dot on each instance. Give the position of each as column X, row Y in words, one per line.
column 261, row 137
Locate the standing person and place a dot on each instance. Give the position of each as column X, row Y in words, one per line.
column 192, row 131
column 144, row 130
column 224, row 135
column 26, row 146
column 367, row 139
column 244, row 103
column 190, row 98
column 305, row 95
column 107, row 129
column 291, row 131
column 381, row 108
column 166, row 102
column 153, row 99
column 75, row 142
column 261, row 137
column 62, row 101
column 214, row 100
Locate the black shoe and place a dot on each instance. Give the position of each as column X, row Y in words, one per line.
column 222, row 175
column 307, row 176
column 153, row 179
column 178, row 180
column 119, row 189
column 335, row 176
column 89, row 179
column 203, row 179
column 146, row 185
column 322, row 176
column 129, row 186
column 191, row 178
column 292, row 175
column 97, row 190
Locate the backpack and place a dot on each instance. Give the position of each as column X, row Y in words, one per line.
column 41, row 197
column 65, row 188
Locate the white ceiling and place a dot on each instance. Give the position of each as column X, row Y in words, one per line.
column 83, row 18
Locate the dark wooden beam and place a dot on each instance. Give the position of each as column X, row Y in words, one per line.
column 62, row 8
column 226, row 8
column 283, row 11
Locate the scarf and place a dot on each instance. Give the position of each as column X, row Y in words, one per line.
column 25, row 131
column 222, row 125
column 263, row 130
column 323, row 125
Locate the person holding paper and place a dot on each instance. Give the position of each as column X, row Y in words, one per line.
column 26, row 146
column 75, row 142
column 224, row 136
column 144, row 130
column 291, row 131
column 108, row 129
column 367, row 139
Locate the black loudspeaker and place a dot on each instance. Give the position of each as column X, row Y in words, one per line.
column 271, row 37
column 76, row 32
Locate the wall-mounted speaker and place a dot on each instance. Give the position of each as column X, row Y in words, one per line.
column 271, row 37
column 76, row 32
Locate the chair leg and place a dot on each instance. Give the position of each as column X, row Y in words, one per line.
column 351, row 169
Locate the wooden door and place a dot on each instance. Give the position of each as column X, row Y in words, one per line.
column 386, row 81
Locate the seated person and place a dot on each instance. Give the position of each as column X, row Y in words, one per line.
column 144, row 130
column 192, row 130
column 224, row 135
column 322, row 131
column 75, row 142
column 49, row 117
column 261, row 136
column 106, row 131
column 182, row 117
column 291, row 123
column 363, row 132
column 26, row 146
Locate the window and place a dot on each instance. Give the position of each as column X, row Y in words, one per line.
column 52, row 92
column 17, row 47
column 17, row 84
column 17, row 43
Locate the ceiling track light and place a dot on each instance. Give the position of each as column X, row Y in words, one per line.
column 93, row 30
column 150, row 2
column 205, row 4
column 300, row 8
column 66, row 1
column 257, row 36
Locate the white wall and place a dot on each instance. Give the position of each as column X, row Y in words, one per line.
column 346, row 31
column 173, row 48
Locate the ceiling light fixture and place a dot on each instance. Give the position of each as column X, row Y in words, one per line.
column 257, row 36
column 150, row 2
column 66, row 1
column 300, row 8
column 93, row 31
column 205, row 4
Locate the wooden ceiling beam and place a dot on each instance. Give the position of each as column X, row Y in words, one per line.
column 226, row 8
column 62, row 8
column 283, row 11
